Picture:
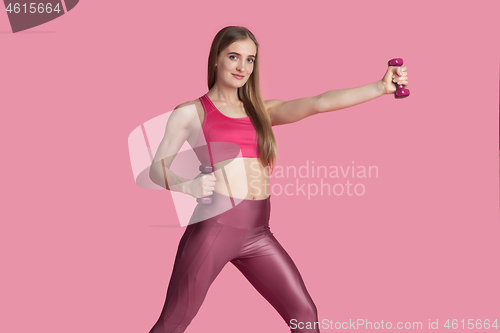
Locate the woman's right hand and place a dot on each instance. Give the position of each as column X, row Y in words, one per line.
column 202, row 186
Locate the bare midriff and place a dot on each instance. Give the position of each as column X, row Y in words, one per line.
column 242, row 178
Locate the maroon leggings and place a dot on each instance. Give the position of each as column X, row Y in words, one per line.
column 239, row 235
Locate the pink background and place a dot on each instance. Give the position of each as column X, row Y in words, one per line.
column 84, row 249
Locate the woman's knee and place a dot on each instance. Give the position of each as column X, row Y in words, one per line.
column 305, row 320
column 307, row 313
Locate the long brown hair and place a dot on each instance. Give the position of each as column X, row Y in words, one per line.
column 249, row 94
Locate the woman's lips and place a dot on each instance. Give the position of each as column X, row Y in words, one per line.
column 239, row 77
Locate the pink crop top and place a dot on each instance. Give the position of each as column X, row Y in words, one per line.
column 226, row 136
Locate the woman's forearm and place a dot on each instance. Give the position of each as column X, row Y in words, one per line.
column 164, row 177
column 343, row 98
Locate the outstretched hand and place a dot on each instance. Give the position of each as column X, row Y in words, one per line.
column 395, row 75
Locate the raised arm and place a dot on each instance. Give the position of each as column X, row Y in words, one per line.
column 285, row 112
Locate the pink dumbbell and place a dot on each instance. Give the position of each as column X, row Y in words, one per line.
column 205, row 168
column 401, row 92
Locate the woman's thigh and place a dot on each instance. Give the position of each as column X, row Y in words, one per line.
column 204, row 249
column 269, row 268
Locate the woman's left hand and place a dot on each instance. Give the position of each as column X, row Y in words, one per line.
column 395, row 75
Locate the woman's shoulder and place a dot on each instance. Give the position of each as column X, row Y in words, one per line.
column 192, row 110
column 188, row 103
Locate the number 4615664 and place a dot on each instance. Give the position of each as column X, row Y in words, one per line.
column 34, row 8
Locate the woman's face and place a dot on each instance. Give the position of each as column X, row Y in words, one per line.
column 235, row 63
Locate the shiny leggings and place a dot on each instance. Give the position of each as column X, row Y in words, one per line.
column 239, row 235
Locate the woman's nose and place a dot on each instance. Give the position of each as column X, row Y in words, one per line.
column 240, row 67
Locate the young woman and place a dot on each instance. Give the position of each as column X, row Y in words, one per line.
column 233, row 111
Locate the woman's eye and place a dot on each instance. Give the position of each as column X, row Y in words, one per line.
column 233, row 56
